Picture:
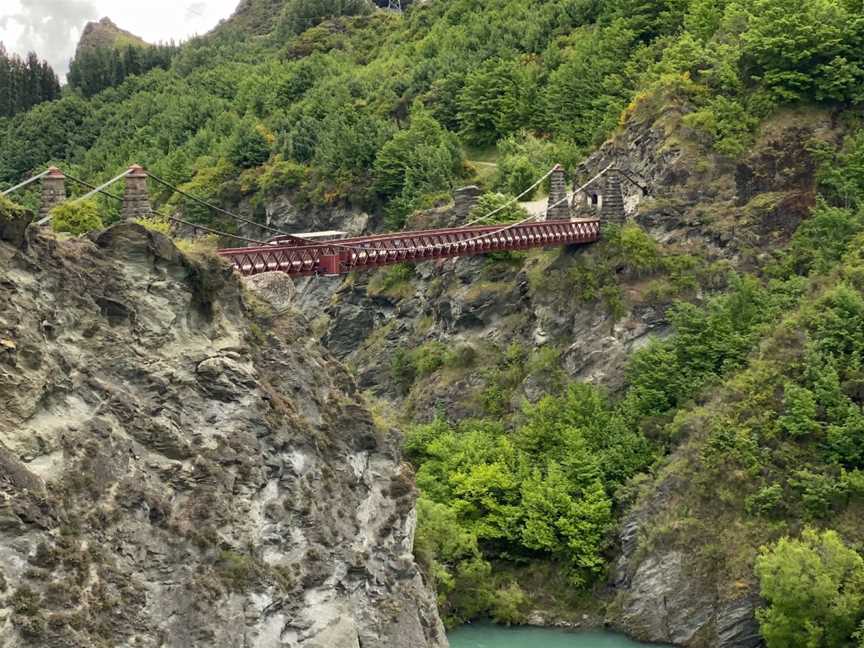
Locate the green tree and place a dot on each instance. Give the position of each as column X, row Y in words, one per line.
column 25, row 82
column 497, row 99
column 587, row 92
column 805, row 50
column 799, row 417
column 423, row 158
column 704, row 17
column 845, row 440
column 567, row 519
column 493, row 208
column 450, row 554
column 249, row 145
column 814, row 591
column 649, row 18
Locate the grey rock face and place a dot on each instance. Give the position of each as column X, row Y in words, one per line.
column 666, row 601
column 179, row 471
column 666, row 595
column 283, row 214
column 13, row 224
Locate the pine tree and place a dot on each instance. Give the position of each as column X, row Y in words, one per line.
column 25, row 83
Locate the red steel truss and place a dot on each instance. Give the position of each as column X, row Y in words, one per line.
column 338, row 257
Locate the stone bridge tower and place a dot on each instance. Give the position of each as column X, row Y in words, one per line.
column 136, row 199
column 612, row 209
column 558, row 207
column 53, row 191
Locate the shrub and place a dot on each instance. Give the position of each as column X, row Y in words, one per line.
column 402, row 370
column 766, row 501
column 516, row 175
column 726, row 123
column 461, row 356
column 239, row 572
column 820, row 494
column 509, row 606
column 394, row 281
column 799, row 418
column 450, row 554
column 10, row 210
column 199, row 246
column 281, row 175
column 76, row 217
column 813, row 588
column 428, row 358
column 157, row 224
column 637, row 250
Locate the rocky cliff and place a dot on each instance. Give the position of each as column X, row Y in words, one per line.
column 181, row 466
column 105, row 34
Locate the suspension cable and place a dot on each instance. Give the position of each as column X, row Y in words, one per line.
column 90, row 186
column 594, row 179
column 512, row 200
column 161, row 215
column 532, row 217
column 215, row 208
column 101, row 187
column 209, row 230
column 21, row 185
column 578, row 189
column 506, row 226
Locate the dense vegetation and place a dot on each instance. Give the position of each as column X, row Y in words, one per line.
column 25, row 82
column 336, row 102
column 328, row 101
column 97, row 68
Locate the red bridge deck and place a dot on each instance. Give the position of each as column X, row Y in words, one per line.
column 299, row 258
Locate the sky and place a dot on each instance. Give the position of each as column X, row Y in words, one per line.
column 51, row 28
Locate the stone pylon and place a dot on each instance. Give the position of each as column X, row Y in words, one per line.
column 136, row 199
column 558, row 206
column 53, row 191
column 612, row 209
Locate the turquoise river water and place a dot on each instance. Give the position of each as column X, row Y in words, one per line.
column 484, row 635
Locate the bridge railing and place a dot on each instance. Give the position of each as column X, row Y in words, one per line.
column 339, row 257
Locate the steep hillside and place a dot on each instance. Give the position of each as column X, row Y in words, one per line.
column 654, row 314
column 181, row 466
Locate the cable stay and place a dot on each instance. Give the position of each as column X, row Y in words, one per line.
column 21, row 185
column 204, row 203
column 209, row 230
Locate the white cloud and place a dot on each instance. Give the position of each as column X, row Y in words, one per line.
column 51, row 28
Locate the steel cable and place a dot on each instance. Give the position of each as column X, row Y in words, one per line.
column 200, row 201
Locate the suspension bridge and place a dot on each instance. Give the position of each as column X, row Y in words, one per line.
column 570, row 218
